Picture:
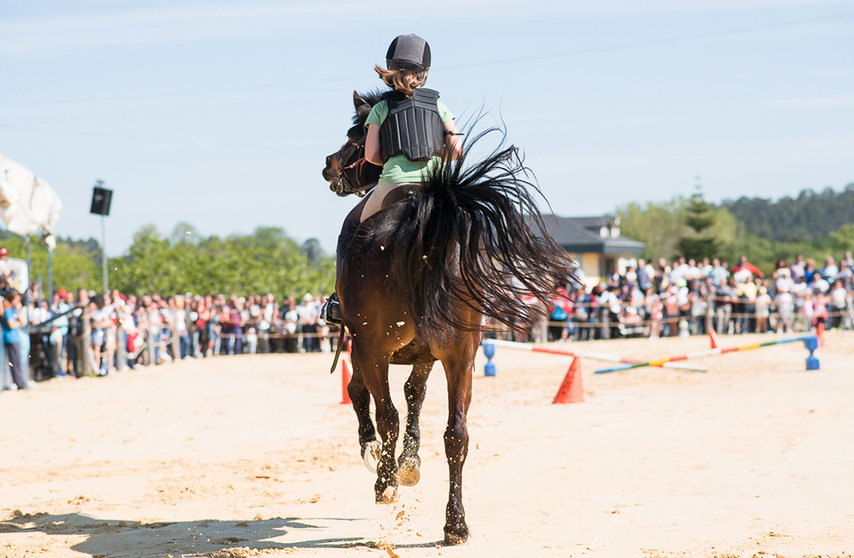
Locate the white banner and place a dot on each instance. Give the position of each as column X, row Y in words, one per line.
column 27, row 203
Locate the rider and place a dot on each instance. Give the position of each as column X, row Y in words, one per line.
column 405, row 152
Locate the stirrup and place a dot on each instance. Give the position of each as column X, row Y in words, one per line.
column 331, row 310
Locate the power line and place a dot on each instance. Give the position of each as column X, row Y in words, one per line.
column 301, row 146
column 650, row 42
column 501, row 61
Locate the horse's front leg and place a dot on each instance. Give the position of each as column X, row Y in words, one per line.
column 361, row 399
column 374, row 371
column 458, row 371
column 415, row 388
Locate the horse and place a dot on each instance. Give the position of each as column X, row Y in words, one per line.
column 415, row 282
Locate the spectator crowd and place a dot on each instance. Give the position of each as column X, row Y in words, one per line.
column 83, row 333
column 680, row 297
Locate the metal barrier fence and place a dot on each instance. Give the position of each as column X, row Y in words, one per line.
column 152, row 347
column 74, row 355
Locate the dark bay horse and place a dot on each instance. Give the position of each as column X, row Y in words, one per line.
column 415, row 282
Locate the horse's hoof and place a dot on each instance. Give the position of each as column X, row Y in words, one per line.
column 388, row 496
column 455, row 538
column 409, row 472
column 371, row 454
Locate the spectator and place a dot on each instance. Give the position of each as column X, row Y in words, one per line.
column 266, row 323
column 308, row 312
column 251, row 341
column 561, row 308
column 671, row 311
column 12, row 339
column 810, row 271
column 644, row 274
column 5, row 268
column 848, row 260
column 655, row 312
column 798, row 268
column 719, row 272
column 786, row 308
column 838, row 303
column 60, row 308
column 291, row 326
column 232, row 325
column 725, row 296
column 762, row 308
column 845, row 273
column 99, row 316
column 830, row 269
column 782, row 277
column 699, row 305
column 182, row 331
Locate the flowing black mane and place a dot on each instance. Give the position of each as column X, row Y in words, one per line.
column 370, row 99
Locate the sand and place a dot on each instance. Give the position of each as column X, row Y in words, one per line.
column 254, row 456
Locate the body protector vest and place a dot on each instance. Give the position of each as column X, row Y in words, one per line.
column 413, row 126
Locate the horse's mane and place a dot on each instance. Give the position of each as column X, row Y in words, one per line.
column 371, row 98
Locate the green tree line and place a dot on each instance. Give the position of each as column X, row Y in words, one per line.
column 808, row 217
column 266, row 261
column 815, row 225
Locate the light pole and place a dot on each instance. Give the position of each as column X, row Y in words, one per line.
column 101, row 198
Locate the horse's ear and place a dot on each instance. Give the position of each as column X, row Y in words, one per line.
column 358, row 101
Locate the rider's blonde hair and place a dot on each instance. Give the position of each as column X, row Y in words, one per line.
column 405, row 81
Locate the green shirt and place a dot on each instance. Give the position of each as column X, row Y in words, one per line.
column 399, row 168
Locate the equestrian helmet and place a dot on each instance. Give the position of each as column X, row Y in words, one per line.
column 408, row 52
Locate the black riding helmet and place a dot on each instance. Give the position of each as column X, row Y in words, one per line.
column 408, row 52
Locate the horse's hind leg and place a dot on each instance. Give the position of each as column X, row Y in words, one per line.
column 361, row 398
column 458, row 371
column 409, row 464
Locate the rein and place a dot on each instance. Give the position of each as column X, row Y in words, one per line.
column 341, row 184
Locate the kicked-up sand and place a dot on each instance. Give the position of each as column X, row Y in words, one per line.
column 255, row 456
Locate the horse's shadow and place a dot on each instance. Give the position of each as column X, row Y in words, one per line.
column 114, row 538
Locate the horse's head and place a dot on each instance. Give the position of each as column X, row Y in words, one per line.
column 343, row 171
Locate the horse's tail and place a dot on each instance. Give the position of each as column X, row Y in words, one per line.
column 474, row 235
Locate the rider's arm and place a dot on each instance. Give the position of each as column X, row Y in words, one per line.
column 453, row 140
column 372, row 145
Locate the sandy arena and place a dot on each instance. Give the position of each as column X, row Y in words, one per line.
column 254, row 456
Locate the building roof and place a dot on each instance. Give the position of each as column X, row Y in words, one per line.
column 582, row 235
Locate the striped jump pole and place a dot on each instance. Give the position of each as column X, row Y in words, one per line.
column 810, row 342
column 490, row 344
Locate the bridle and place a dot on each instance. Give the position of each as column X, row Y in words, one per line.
column 342, row 185
column 347, row 180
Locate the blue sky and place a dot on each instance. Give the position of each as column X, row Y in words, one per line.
column 220, row 114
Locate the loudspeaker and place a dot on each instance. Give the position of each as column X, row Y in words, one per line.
column 101, row 198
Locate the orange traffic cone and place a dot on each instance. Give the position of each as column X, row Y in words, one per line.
column 713, row 337
column 819, row 333
column 570, row 390
column 345, row 380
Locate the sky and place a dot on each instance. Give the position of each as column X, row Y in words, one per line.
column 220, row 114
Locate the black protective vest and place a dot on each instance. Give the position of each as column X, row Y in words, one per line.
column 413, row 126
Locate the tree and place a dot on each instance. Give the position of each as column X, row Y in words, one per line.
column 265, row 261
column 699, row 218
column 842, row 239
column 658, row 226
column 75, row 263
column 810, row 216
column 184, row 233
